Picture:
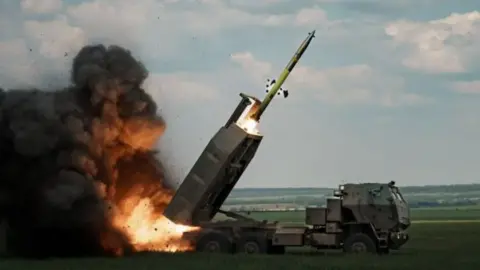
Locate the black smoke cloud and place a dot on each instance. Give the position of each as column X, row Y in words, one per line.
column 60, row 153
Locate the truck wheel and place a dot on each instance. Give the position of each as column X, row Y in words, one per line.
column 214, row 243
column 252, row 245
column 359, row 243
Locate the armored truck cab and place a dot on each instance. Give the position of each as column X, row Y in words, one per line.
column 369, row 217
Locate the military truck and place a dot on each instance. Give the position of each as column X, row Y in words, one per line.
column 369, row 217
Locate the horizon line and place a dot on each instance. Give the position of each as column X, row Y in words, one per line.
column 302, row 187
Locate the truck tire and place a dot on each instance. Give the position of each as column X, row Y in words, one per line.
column 252, row 245
column 214, row 242
column 359, row 243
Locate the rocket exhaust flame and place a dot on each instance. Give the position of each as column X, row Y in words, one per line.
column 148, row 230
column 78, row 175
column 246, row 121
column 249, row 125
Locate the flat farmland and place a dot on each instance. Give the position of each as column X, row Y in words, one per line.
column 445, row 239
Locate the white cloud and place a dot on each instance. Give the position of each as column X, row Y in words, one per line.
column 138, row 24
column 256, row 3
column 311, row 17
column 42, row 57
column 16, row 69
column 41, row 6
column 216, row 15
column 258, row 70
column 55, row 38
column 50, row 44
column 112, row 18
column 467, row 87
column 202, row 17
column 181, row 86
column 348, row 84
column 439, row 46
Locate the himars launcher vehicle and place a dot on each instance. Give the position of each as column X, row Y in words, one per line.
column 369, row 217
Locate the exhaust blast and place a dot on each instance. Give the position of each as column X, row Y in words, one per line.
column 78, row 175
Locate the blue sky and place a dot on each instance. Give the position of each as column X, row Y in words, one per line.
column 388, row 90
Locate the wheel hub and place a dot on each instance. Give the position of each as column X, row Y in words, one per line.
column 252, row 247
column 359, row 247
column 212, row 246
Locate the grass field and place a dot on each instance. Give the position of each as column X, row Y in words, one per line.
column 440, row 239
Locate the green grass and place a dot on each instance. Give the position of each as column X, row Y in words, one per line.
column 436, row 244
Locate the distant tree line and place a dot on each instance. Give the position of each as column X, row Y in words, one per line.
column 306, row 201
column 442, row 189
column 417, row 196
column 423, row 204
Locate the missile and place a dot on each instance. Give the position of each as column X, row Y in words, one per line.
column 283, row 76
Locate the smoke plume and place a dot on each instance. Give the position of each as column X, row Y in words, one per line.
column 67, row 157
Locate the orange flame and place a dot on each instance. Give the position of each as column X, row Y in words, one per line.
column 147, row 229
column 249, row 125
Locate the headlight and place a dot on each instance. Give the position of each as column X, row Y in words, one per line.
column 342, row 187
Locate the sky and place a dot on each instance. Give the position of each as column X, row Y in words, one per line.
column 388, row 89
